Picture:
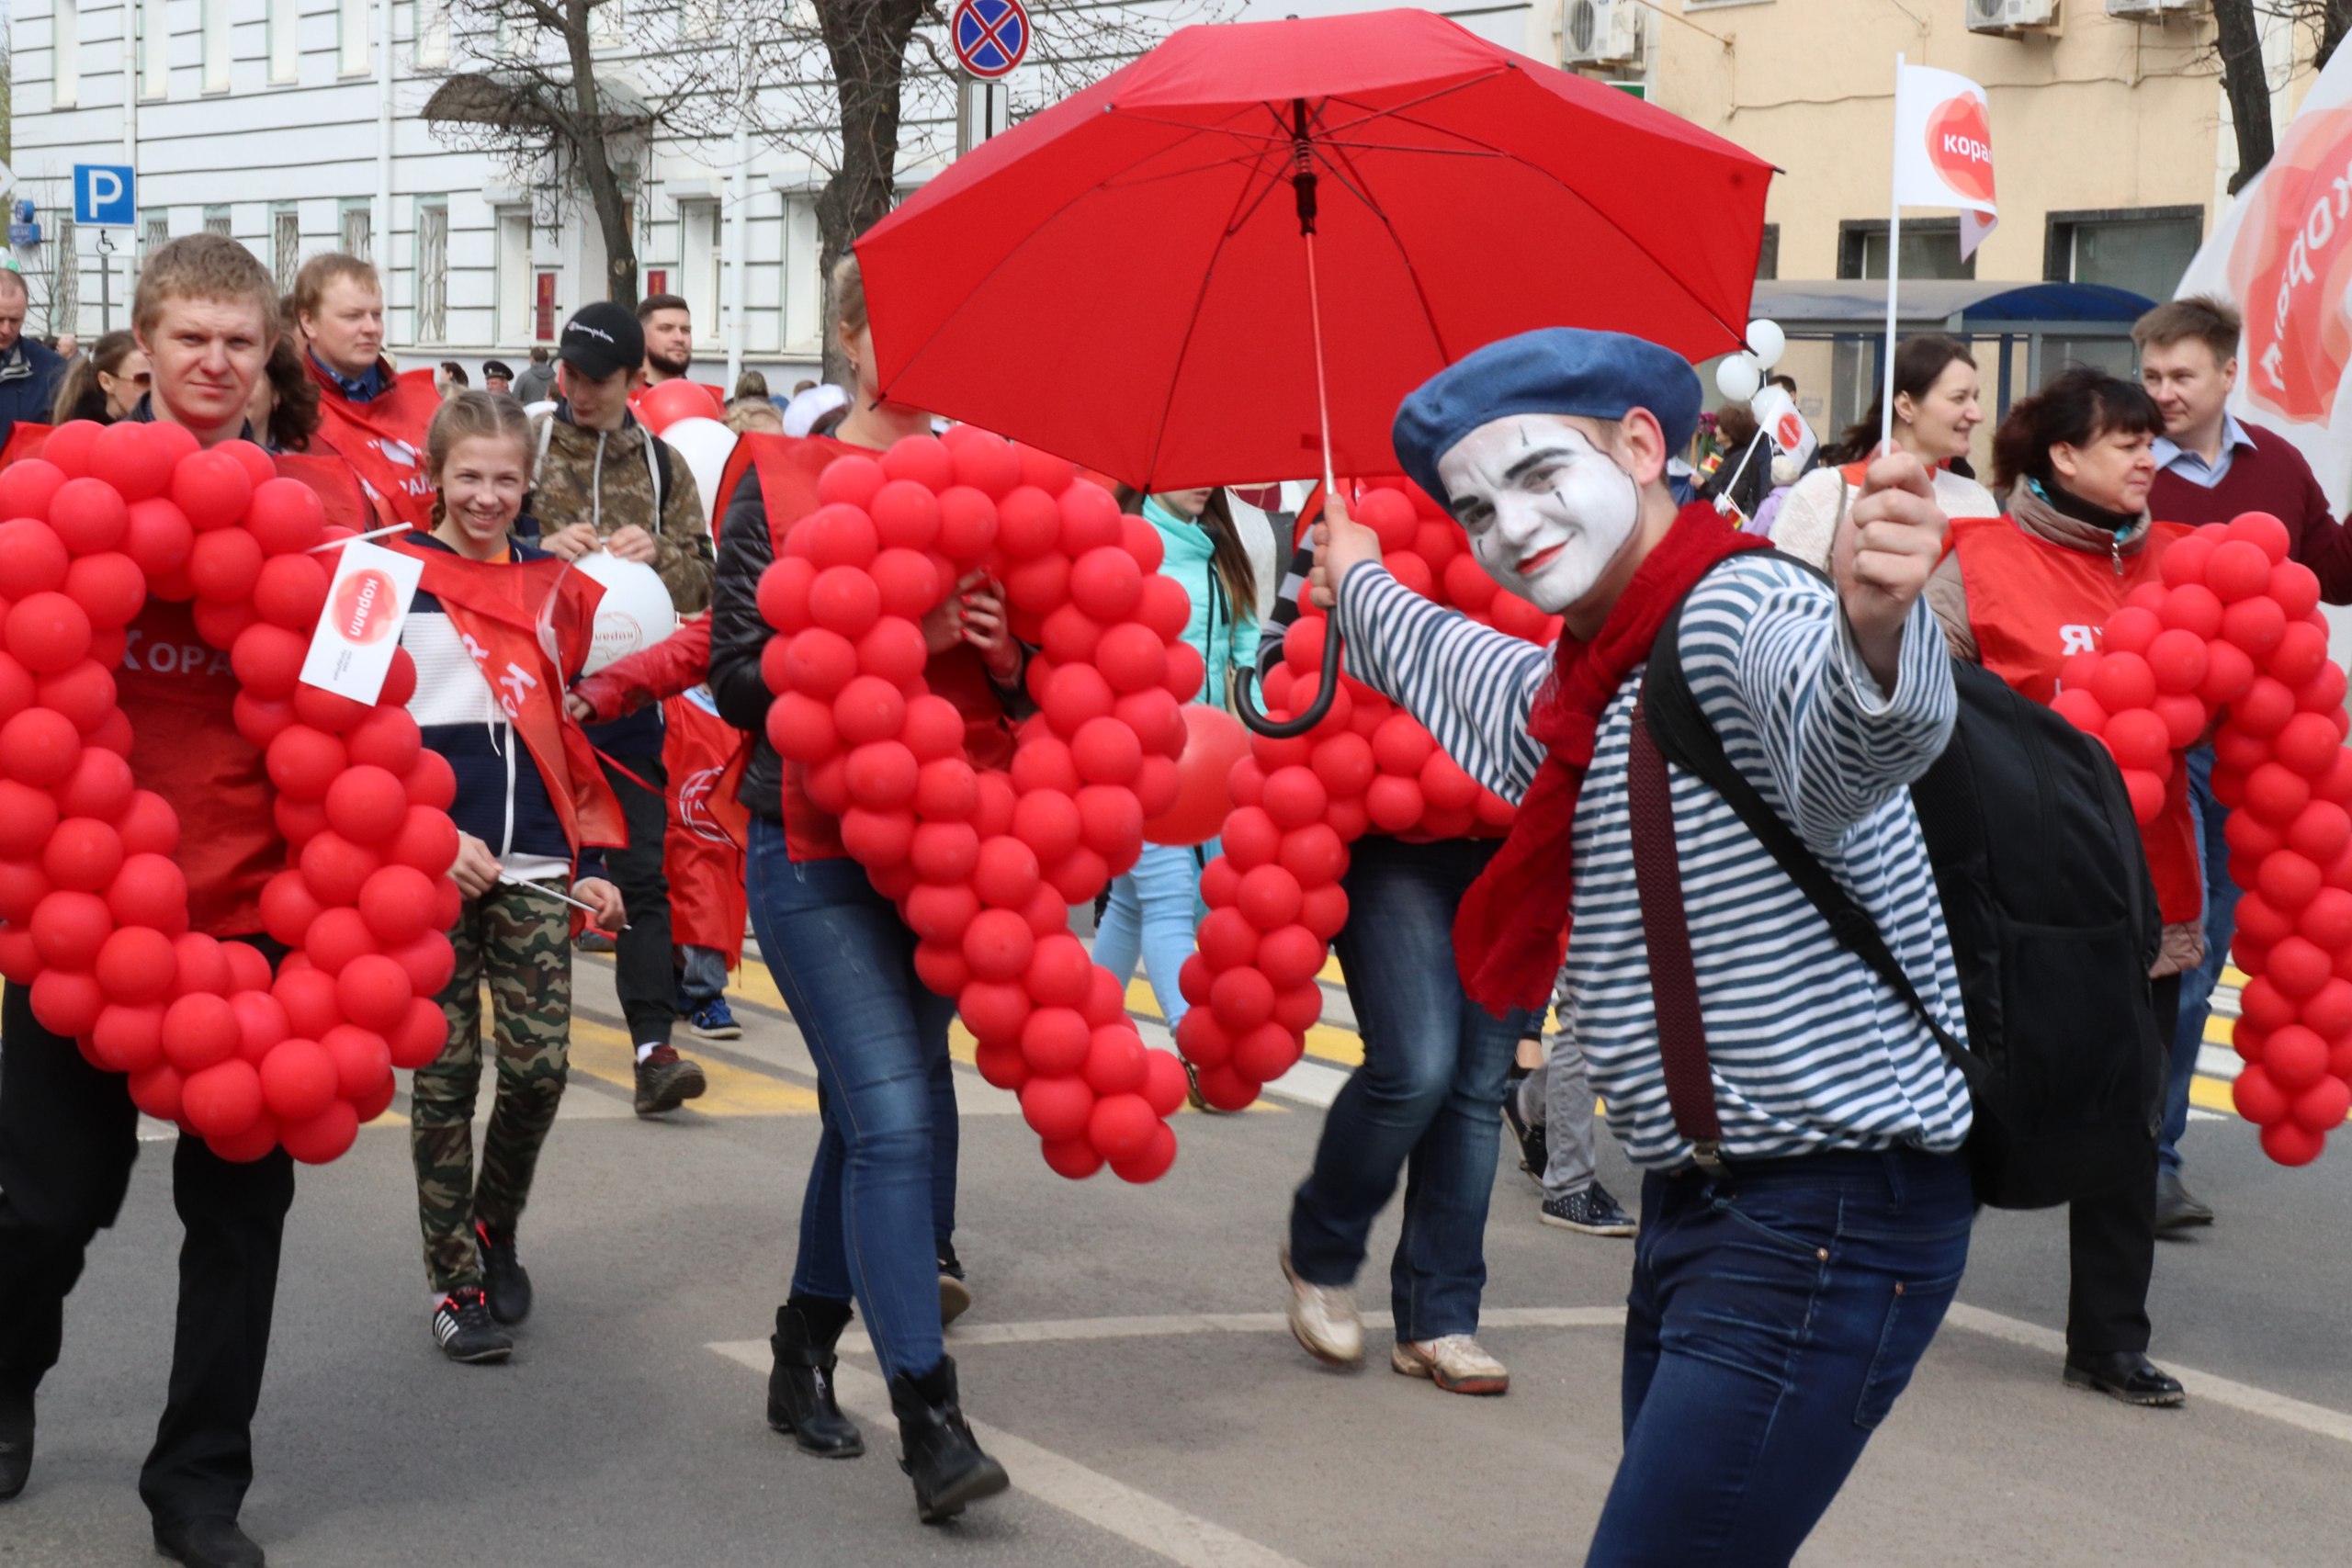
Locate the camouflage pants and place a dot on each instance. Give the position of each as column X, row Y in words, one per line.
column 519, row 943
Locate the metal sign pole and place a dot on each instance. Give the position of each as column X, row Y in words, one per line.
column 106, row 281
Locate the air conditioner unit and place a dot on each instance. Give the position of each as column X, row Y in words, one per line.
column 2010, row 16
column 2152, row 10
column 1601, row 32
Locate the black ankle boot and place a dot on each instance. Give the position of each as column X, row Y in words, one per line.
column 940, row 1455
column 800, row 1389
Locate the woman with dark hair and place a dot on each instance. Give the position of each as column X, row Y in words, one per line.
column 104, row 384
column 2018, row 594
column 284, row 411
column 1150, row 908
column 1936, row 412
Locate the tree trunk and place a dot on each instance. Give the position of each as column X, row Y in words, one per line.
column 604, row 191
column 2335, row 19
column 2246, row 83
column 867, row 42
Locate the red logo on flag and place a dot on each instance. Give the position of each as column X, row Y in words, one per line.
column 1789, row 433
column 2291, row 265
column 1960, row 144
column 366, row 608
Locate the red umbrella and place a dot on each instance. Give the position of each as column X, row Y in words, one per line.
column 1129, row 279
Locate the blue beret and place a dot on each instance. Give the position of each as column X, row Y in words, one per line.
column 1565, row 370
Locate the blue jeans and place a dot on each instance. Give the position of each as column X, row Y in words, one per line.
column 845, row 966
column 1426, row 1101
column 2196, row 987
column 1152, row 907
column 1776, row 1313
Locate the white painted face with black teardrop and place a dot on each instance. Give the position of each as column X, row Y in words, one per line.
column 1546, row 509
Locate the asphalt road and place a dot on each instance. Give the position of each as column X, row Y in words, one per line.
column 1126, row 1361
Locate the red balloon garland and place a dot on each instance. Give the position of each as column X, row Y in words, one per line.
column 2234, row 630
column 95, row 910
column 1274, row 895
column 983, row 863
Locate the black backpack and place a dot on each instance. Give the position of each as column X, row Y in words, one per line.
column 2052, row 916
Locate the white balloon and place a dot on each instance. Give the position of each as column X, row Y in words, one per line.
column 636, row 611
column 1738, row 376
column 1767, row 341
column 705, row 445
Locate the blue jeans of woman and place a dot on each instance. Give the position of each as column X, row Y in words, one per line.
column 1426, row 1102
column 845, row 966
column 1777, row 1311
column 1152, row 909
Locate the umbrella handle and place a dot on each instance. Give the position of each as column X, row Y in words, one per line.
column 1246, row 707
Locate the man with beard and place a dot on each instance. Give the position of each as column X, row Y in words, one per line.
column 669, row 329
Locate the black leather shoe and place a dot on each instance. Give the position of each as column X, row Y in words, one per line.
column 213, row 1541
column 800, row 1390
column 15, row 1446
column 940, row 1454
column 2126, row 1375
column 2176, row 1207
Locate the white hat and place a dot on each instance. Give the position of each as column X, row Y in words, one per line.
column 801, row 415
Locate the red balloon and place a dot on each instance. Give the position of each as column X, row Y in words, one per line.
column 2236, row 570
column 224, row 564
column 308, row 997
column 223, row 1100
column 212, row 486
column 47, row 632
column 334, row 867
column 328, row 1135
column 998, row 944
column 1292, row 956
column 82, row 855
column 68, row 929
column 1055, row 1042
column 844, row 599
column 2262, row 530
column 1120, row 1127
column 1227, row 939
column 1215, row 742
column 27, row 487
column 201, row 1030
column 367, row 805
column 1057, row 1108
column 374, row 991
column 299, row 1078
column 134, row 967
column 33, row 559
column 2255, row 624
column 387, row 738
column 2229, row 670
column 100, row 787
column 1004, row 875
column 666, row 403
column 89, row 516
column 420, row 1037
column 397, row 903
column 1241, row 999
column 157, row 536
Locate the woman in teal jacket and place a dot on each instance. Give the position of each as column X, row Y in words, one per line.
column 1151, row 909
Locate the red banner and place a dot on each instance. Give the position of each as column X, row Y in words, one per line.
column 703, row 850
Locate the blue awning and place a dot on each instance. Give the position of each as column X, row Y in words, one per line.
column 1982, row 306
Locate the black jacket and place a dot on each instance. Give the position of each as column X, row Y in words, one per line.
column 737, row 636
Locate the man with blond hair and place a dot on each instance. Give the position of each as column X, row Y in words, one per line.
column 206, row 315
column 371, row 416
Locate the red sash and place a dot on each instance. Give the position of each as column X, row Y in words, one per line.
column 383, row 440
column 496, row 611
column 2030, row 605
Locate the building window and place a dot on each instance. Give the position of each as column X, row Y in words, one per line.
column 155, row 233
column 285, row 40
column 433, row 271
column 284, row 245
column 1768, row 255
column 433, row 34
column 359, row 228
column 513, row 324
column 215, row 46
column 544, row 305
column 1930, row 249
column 2143, row 250
column 216, row 219
column 803, row 286
column 352, row 53
column 698, row 265
column 154, row 44
column 65, row 55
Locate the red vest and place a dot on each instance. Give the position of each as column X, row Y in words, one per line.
column 383, row 440
column 2032, row 603
column 180, row 695
column 789, row 467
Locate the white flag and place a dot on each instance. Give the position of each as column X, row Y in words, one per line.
column 1943, row 149
column 1776, row 415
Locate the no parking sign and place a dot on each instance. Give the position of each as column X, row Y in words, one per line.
column 990, row 37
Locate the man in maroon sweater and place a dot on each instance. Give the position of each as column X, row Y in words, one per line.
column 2211, row 466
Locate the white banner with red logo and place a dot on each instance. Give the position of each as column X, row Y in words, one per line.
column 2282, row 253
column 351, row 650
column 1943, row 149
column 1777, row 416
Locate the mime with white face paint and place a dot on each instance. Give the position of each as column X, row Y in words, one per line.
column 1763, row 1341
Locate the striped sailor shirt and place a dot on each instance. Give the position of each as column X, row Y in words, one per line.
column 1809, row 1051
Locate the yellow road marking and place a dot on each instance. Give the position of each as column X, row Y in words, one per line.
column 607, row 1054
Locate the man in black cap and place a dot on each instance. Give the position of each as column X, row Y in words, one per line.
column 604, row 481
column 497, row 376
column 1805, row 1211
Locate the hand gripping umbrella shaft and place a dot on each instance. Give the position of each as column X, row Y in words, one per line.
column 1303, row 181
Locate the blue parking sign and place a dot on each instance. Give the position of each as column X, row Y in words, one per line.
column 104, row 195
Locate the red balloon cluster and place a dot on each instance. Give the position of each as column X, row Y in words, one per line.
column 664, row 403
column 1274, row 895
column 96, row 911
column 2234, row 629
column 983, row 863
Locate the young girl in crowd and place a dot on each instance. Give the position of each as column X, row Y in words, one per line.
column 845, row 965
column 1936, row 413
column 515, row 861
column 1151, row 908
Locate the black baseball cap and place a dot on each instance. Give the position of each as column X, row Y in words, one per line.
column 602, row 339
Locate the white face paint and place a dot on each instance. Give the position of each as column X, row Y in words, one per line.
column 1546, row 509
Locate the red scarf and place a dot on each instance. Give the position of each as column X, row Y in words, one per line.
column 1510, row 932
column 496, row 610
column 383, row 440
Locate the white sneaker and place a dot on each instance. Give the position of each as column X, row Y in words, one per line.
column 1455, row 1362
column 1323, row 1318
